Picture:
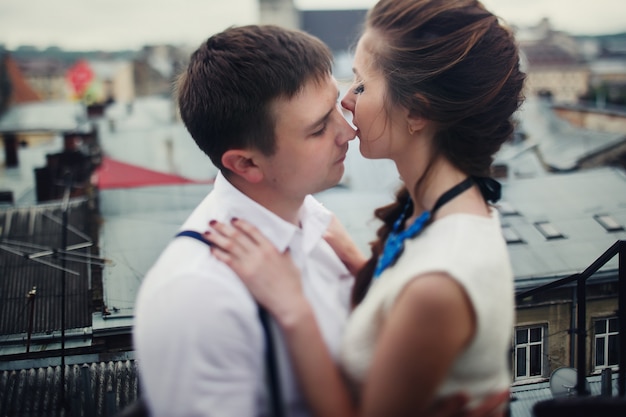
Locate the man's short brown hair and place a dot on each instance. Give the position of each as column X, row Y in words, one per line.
column 226, row 92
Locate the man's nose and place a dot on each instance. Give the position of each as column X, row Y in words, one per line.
column 347, row 132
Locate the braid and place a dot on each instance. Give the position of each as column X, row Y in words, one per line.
column 388, row 214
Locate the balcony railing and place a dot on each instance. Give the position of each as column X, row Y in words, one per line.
column 619, row 249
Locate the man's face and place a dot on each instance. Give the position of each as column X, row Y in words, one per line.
column 312, row 140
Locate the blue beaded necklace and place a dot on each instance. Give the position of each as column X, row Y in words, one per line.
column 394, row 245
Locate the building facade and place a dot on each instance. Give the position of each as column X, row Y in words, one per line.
column 556, row 227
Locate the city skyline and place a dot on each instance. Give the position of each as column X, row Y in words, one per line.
column 119, row 24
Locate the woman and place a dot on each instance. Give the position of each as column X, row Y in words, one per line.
column 436, row 84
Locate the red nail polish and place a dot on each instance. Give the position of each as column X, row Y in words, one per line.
column 212, row 222
column 234, row 219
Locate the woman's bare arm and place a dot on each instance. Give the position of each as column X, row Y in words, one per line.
column 427, row 328
column 346, row 249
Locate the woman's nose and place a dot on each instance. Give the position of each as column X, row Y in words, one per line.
column 348, row 103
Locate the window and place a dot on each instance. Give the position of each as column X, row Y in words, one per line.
column 606, row 342
column 529, row 352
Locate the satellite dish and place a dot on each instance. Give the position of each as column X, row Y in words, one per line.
column 563, row 382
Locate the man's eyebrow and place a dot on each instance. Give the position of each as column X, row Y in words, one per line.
column 321, row 120
column 325, row 117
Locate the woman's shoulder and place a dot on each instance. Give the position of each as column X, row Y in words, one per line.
column 463, row 232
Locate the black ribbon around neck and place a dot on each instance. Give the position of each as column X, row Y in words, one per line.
column 489, row 188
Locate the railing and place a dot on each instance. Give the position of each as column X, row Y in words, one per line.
column 618, row 248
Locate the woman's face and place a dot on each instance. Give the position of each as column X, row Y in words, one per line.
column 376, row 126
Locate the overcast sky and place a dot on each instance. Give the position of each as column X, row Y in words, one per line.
column 121, row 24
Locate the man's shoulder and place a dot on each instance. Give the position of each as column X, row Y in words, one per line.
column 188, row 257
column 187, row 272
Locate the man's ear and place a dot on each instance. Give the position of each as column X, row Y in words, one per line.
column 241, row 162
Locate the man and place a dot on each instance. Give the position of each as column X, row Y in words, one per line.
column 261, row 102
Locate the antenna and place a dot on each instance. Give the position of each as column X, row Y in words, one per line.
column 563, row 382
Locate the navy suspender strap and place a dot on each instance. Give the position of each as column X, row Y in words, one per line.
column 195, row 235
column 271, row 363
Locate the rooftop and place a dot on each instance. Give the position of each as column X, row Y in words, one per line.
column 97, row 385
column 46, row 116
column 38, row 260
column 561, row 145
column 554, row 222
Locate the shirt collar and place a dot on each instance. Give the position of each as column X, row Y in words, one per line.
column 314, row 218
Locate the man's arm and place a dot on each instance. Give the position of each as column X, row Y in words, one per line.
column 199, row 349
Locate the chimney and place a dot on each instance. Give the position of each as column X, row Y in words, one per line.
column 10, row 150
column 44, row 184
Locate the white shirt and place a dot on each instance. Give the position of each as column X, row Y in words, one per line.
column 197, row 335
column 471, row 250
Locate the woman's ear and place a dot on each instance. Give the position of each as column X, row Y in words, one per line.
column 416, row 124
column 415, row 118
column 241, row 163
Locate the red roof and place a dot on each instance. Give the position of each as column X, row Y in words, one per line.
column 116, row 174
column 21, row 91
